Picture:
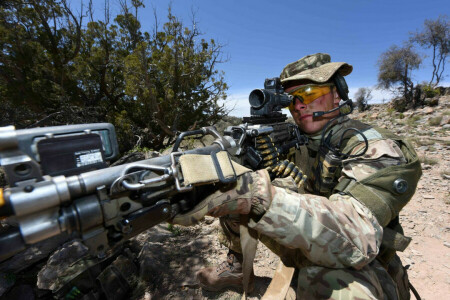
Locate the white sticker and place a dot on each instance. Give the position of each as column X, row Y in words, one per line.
column 88, row 157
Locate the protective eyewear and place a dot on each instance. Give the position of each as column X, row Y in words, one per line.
column 309, row 92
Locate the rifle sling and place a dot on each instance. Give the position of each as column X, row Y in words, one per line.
column 281, row 280
column 280, row 283
column 249, row 242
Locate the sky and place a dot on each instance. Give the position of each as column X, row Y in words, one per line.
column 260, row 37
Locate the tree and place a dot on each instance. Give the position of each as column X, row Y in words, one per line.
column 362, row 97
column 38, row 42
column 56, row 70
column 435, row 35
column 173, row 78
column 394, row 70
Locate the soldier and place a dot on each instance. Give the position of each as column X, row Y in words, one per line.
column 341, row 228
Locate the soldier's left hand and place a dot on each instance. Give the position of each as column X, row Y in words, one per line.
column 250, row 195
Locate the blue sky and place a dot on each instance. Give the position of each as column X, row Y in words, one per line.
column 261, row 37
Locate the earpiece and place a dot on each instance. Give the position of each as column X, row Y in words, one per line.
column 341, row 86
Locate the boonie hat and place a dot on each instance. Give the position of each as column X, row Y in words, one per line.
column 315, row 67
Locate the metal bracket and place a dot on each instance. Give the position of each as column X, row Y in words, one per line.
column 175, row 173
column 219, row 169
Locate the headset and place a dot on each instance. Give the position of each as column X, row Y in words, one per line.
column 345, row 105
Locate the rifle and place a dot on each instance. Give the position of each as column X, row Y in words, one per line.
column 59, row 181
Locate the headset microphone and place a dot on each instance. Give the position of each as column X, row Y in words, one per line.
column 321, row 113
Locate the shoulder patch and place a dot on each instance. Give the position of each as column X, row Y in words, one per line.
column 371, row 134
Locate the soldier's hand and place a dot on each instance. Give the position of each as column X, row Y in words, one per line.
column 287, row 168
column 266, row 148
column 250, row 195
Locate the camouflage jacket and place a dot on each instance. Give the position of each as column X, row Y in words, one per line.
column 329, row 227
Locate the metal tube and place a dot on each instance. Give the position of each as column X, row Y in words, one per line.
column 33, row 198
column 40, row 226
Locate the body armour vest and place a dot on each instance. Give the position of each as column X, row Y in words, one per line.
column 385, row 192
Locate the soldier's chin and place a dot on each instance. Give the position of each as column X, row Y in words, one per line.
column 311, row 129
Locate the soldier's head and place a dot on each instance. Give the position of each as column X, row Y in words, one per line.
column 312, row 82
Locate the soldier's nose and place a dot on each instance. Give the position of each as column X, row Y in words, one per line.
column 299, row 106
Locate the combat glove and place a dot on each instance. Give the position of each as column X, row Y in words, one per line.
column 251, row 194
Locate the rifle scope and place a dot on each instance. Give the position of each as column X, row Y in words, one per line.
column 271, row 99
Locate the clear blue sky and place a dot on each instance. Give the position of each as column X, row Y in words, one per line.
column 261, row 37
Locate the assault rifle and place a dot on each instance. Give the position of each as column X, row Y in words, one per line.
column 59, row 181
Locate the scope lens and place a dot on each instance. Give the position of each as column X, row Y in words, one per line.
column 257, row 99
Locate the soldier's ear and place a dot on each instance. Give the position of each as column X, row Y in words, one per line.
column 336, row 98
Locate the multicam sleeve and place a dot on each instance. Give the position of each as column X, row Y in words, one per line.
column 337, row 232
column 333, row 232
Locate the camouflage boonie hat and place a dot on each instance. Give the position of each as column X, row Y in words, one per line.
column 315, row 67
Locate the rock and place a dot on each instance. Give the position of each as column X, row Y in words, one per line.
column 61, row 265
column 428, row 110
column 446, row 126
column 446, row 244
column 374, row 116
column 426, row 167
column 445, row 120
column 428, row 197
column 431, row 101
column 423, row 148
column 209, row 220
column 151, row 154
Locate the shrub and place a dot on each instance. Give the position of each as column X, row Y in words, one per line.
column 435, row 121
column 427, row 160
column 429, row 91
column 362, row 96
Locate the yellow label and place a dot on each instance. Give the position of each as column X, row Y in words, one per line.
column 2, row 201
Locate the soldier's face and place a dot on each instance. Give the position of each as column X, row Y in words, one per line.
column 303, row 113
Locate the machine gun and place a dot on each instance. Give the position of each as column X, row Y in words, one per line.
column 59, row 181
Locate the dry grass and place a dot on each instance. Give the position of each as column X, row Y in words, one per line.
column 428, row 160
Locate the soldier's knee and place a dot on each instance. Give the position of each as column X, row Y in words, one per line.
column 325, row 283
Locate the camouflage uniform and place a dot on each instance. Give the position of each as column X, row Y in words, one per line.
column 341, row 231
column 332, row 238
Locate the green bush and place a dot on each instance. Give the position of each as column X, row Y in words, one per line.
column 429, row 91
